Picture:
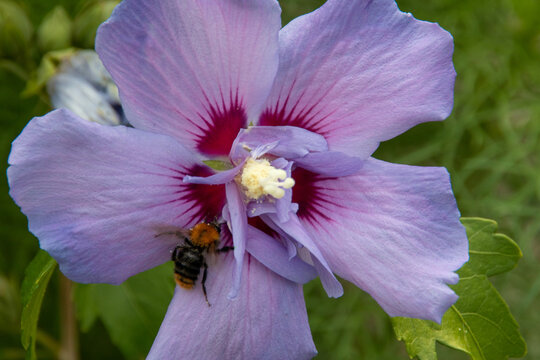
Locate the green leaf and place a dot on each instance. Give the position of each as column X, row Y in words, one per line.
column 131, row 312
column 218, row 165
column 36, row 279
column 480, row 322
column 489, row 253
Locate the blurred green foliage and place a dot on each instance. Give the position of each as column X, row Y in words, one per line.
column 15, row 29
column 490, row 145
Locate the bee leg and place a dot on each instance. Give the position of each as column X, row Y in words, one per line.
column 175, row 253
column 225, row 249
column 203, row 282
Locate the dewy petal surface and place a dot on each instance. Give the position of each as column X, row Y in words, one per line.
column 198, row 70
column 96, row 196
column 393, row 230
column 360, row 72
column 267, row 320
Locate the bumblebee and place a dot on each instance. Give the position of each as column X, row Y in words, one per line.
column 189, row 258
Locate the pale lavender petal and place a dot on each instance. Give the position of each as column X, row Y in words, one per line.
column 255, row 208
column 283, row 205
column 292, row 142
column 291, row 247
column 281, row 163
column 393, row 230
column 267, row 320
column 97, row 196
column 295, row 230
column 260, row 150
column 238, row 226
column 330, row 163
column 328, row 280
column 197, row 69
column 272, row 254
column 360, row 72
column 221, row 177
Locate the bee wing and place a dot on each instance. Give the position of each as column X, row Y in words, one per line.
column 167, row 230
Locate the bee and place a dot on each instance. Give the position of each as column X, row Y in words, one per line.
column 189, row 257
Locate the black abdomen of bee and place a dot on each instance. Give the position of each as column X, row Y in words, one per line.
column 187, row 265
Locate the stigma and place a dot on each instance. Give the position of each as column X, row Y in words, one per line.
column 260, row 178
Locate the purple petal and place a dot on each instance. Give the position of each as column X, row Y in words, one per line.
column 292, row 142
column 283, row 236
column 360, row 72
column 238, row 225
column 393, row 230
column 96, row 196
column 267, row 320
column 276, row 257
column 260, row 150
column 219, row 178
column 281, row 163
column 196, row 70
column 283, row 205
column 330, row 163
column 255, row 208
column 296, row 231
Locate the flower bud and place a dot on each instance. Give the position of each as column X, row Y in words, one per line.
column 15, row 29
column 54, row 33
column 72, row 92
column 88, row 20
column 82, row 84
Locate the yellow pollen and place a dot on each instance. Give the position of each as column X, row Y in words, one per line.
column 259, row 178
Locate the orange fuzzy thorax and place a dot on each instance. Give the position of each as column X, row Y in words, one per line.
column 204, row 235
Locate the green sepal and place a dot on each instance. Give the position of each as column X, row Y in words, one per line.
column 479, row 323
column 54, row 33
column 218, row 165
column 36, row 279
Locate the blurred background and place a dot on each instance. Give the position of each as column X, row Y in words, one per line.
column 490, row 144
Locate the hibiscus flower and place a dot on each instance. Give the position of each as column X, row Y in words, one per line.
column 293, row 116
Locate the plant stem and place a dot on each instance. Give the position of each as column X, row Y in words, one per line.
column 69, row 337
column 47, row 341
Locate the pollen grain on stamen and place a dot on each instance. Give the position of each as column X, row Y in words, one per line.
column 259, row 178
